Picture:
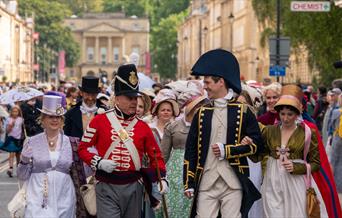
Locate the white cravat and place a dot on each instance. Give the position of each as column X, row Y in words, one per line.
column 222, row 102
column 88, row 110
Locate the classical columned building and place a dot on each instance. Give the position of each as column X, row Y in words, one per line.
column 106, row 41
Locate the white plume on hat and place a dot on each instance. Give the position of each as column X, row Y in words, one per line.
column 164, row 94
column 186, row 90
column 134, row 59
column 255, row 94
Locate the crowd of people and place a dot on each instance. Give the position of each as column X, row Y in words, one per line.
column 208, row 146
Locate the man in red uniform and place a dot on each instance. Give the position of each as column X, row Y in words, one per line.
column 121, row 140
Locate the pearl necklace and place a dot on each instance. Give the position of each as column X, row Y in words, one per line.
column 52, row 141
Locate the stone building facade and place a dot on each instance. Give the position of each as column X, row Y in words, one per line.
column 106, row 41
column 16, row 50
column 231, row 25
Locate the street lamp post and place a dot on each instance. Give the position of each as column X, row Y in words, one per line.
column 231, row 21
column 278, row 37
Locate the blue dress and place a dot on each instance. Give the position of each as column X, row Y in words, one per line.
column 12, row 144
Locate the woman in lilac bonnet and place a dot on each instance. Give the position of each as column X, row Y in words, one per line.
column 45, row 163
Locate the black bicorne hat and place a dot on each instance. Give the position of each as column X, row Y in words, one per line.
column 126, row 81
column 90, row 84
column 219, row 63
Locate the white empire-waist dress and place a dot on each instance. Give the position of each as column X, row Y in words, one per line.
column 61, row 199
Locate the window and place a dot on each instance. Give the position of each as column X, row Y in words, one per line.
column 116, row 55
column 103, row 55
column 90, row 54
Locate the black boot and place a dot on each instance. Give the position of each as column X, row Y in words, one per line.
column 10, row 172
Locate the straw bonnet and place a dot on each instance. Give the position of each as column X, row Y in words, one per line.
column 149, row 92
column 147, row 101
column 166, row 95
column 52, row 105
column 190, row 106
column 291, row 95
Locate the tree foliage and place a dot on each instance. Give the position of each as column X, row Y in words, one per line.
column 320, row 32
column 130, row 7
column 165, row 17
column 49, row 17
column 78, row 7
column 164, row 45
column 163, row 8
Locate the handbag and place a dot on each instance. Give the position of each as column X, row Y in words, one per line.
column 312, row 203
column 17, row 205
column 89, row 195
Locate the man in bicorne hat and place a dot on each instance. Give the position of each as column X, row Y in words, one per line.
column 215, row 164
column 121, row 140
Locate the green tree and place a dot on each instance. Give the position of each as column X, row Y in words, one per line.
column 164, row 45
column 130, row 7
column 319, row 32
column 78, row 7
column 49, row 17
column 163, row 8
column 165, row 17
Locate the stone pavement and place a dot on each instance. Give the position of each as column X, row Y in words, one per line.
column 3, row 157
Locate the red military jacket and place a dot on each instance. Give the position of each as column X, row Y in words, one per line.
column 100, row 134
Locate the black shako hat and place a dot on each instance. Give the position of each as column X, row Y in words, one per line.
column 221, row 63
column 126, row 81
column 90, row 84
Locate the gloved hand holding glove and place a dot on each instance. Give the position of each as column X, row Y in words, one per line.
column 189, row 193
column 158, row 191
column 107, row 165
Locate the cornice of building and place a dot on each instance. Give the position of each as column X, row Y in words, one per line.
column 105, row 16
column 16, row 17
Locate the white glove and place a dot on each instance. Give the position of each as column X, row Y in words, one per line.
column 165, row 187
column 191, row 191
column 107, row 165
column 156, row 192
column 221, row 147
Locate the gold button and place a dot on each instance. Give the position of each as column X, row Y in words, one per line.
column 238, row 117
column 239, row 111
column 237, row 122
column 236, row 135
column 237, row 129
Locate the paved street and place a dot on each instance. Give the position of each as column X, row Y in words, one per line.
column 8, row 186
